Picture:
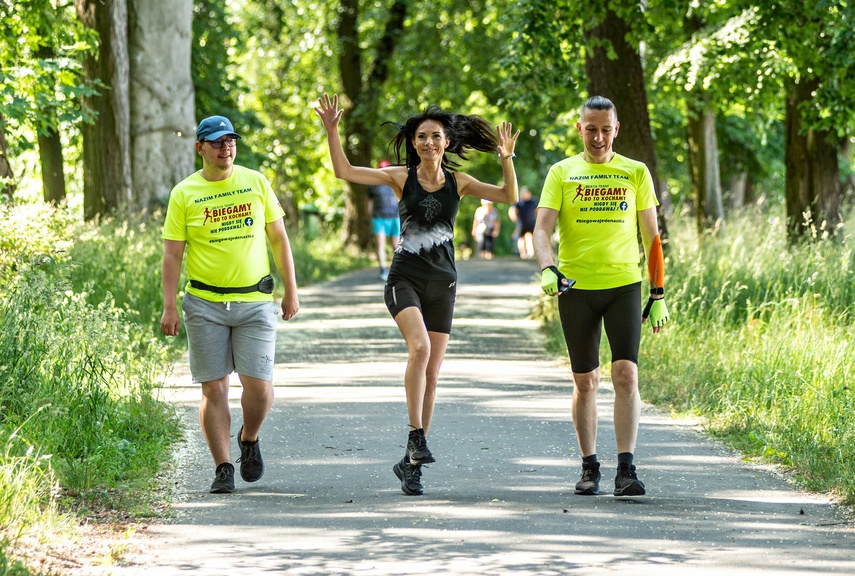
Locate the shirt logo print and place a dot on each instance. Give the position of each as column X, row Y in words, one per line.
column 432, row 207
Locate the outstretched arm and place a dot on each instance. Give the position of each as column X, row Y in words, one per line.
column 507, row 192
column 330, row 115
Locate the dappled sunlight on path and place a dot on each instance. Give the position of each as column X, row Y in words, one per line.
column 499, row 500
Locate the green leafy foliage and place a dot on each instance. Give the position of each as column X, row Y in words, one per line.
column 219, row 89
column 759, row 344
column 818, row 40
column 12, row 567
column 26, row 494
column 32, row 231
column 120, row 260
column 264, row 63
column 541, row 82
column 78, row 381
column 743, row 57
column 287, row 56
column 545, row 67
column 292, row 55
column 323, row 257
column 78, row 416
column 42, row 45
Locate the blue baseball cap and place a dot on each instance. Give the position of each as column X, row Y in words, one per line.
column 214, row 128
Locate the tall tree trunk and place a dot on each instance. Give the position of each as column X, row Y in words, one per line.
column 50, row 150
column 738, row 189
column 813, row 186
column 357, row 144
column 749, row 196
column 847, row 187
column 362, row 93
column 7, row 184
column 106, row 143
column 162, row 115
column 621, row 80
column 703, row 160
column 53, row 177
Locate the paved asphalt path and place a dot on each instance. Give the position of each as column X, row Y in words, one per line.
column 499, row 500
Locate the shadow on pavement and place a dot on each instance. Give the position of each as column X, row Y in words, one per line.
column 500, row 498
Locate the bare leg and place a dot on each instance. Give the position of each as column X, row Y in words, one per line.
column 381, row 249
column 412, row 327
column 522, row 248
column 215, row 418
column 439, row 344
column 256, row 400
column 585, row 410
column 528, row 240
column 627, row 404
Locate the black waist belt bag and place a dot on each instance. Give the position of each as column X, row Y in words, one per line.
column 265, row 286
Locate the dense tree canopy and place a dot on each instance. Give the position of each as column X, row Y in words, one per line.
column 763, row 66
column 42, row 48
column 767, row 81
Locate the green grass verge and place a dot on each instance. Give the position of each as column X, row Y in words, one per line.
column 81, row 356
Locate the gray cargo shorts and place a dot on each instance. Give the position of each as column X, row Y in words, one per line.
column 226, row 337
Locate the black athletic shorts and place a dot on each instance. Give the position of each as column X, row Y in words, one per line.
column 585, row 312
column 434, row 298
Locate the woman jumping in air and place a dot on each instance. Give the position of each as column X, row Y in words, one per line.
column 422, row 282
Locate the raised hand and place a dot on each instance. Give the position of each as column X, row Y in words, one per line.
column 329, row 111
column 507, row 143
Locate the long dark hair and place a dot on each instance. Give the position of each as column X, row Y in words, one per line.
column 465, row 133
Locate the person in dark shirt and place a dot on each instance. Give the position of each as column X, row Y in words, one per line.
column 524, row 213
column 422, row 283
column 383, row 205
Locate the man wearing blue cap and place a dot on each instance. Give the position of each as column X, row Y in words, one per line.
column 224, row 215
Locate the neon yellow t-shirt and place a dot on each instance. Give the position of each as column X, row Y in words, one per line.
column 598, row 222
column 223, row 225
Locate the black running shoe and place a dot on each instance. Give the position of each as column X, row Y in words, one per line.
column 589, row 483
column 410, row 476
column 627, row 483
column 251, row 464
column 417, row 448
column 224, row 481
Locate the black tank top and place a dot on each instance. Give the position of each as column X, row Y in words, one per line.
column 426, row 246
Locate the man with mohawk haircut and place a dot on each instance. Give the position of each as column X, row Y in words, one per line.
column 600, row 201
